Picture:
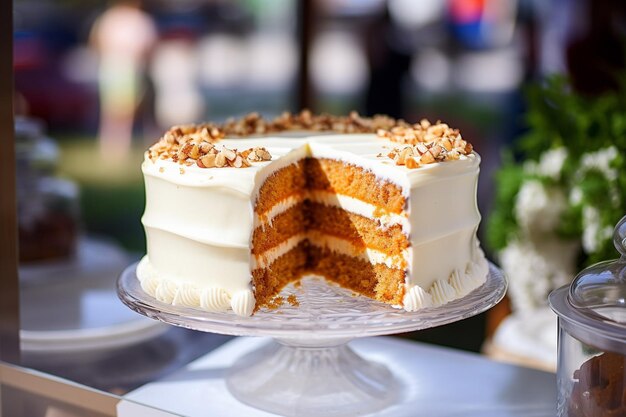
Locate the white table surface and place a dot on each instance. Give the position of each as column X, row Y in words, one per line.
column 439, row 381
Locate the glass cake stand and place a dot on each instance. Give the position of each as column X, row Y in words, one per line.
column 310, row 370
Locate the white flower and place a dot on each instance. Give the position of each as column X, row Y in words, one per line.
column 550, row 164
column 534, row 268
column 576, row 195
column 593, row 232
column 538, row 209
column 600, row 160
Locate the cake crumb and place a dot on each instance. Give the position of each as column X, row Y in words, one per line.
column 293, row 300
column 275, row 303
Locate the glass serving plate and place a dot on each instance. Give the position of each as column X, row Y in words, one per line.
column 311, row 370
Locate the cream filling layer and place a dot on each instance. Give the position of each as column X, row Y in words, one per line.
column 345, row 247
column 278, row 208
column 268, row 257
column 334, row 244
column 360, row 207
column 351, row 204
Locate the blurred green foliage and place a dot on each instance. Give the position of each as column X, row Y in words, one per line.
column 558, row 117
column 112, row 195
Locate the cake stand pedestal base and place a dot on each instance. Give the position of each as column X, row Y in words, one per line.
column 309, row 370
column 292, row 377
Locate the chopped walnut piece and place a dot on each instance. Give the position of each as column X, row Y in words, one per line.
column 258, row 154
column 206, row 147
column 412, row 163
column 405, row 153
column 220, row 160
column 427, row 158
column 207, row 161
column 435, row 151
column 421, row 148
column 229, row 154
column 194, row 153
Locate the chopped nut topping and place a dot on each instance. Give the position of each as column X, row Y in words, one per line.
column 427, row 158
column 220, row 160
column 412, row 163
column 238, row 161
column 207, row 161
column 425, row 143
column 229, row 154
column 196, row 144
column 190, row 145
column 257, row 154
column 181, row 143
column 254, row 124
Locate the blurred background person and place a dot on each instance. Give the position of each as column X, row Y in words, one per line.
column 123, row 37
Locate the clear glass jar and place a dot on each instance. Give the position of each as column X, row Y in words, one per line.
column 591, row 312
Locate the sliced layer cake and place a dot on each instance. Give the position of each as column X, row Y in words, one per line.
column 389, row 214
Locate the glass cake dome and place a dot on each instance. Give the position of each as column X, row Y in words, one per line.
column 592, row 337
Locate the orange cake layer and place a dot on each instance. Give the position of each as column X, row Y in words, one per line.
column 359, row 230
column 374, row 281
column 289, row 223
column 285, row 182
column 268, row 282
column 346, row 179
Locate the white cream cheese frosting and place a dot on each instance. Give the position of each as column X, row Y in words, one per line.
column 198, row 222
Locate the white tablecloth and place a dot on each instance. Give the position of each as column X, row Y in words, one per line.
column 440, row 382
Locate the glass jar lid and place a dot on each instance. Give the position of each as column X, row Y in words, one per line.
column 593, row 307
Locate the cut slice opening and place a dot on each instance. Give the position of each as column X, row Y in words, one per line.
column 297, row 233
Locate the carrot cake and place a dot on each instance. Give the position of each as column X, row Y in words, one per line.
column 234, row 212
